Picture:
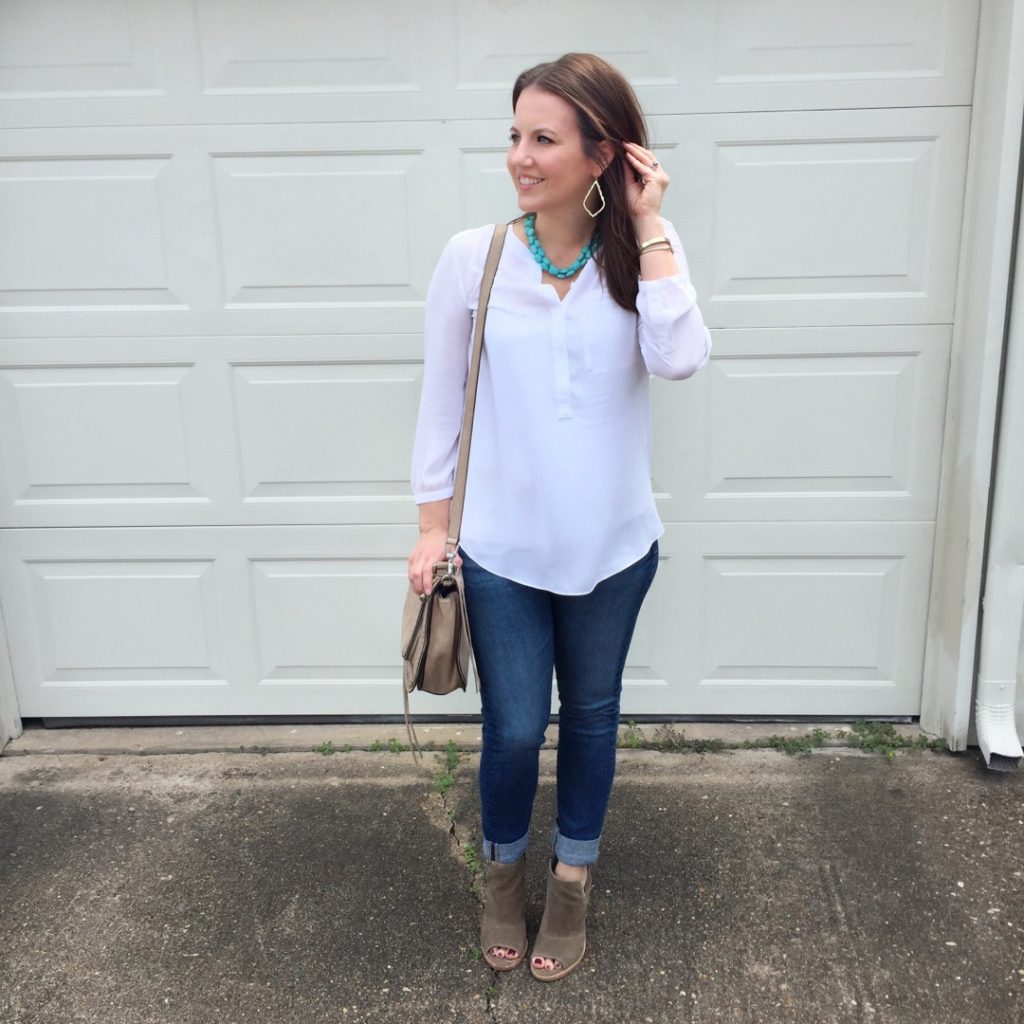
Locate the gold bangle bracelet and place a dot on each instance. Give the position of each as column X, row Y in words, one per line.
column 663, row 247
column 653, row 241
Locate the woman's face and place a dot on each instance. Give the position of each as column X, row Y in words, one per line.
column 545, row 154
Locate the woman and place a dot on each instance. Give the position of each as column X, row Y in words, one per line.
column 559, row 540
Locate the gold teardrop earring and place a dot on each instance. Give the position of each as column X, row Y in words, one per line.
column 600, row 195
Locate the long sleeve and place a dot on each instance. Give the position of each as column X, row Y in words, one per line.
column 446, row 336
column 674, row 341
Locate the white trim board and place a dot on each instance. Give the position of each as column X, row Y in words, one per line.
column 976, row 359
column 10, row 720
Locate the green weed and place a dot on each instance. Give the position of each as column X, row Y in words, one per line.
column 632, row 738
column 448, row 762
column 471, row 856
column 882, row 738
column 667, row 739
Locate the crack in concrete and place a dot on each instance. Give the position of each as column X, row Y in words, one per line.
column 462, row 840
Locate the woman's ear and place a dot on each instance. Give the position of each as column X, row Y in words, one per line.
column 606, row 151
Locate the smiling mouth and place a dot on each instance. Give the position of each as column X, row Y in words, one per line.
column 526, row 182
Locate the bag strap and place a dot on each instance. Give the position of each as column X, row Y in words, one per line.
column 466, row 435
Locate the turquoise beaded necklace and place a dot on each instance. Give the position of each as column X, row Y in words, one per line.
column 541, row 257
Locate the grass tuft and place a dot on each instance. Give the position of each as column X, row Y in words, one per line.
column 448, row 762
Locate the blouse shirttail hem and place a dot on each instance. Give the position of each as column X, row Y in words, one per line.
column 615, row 568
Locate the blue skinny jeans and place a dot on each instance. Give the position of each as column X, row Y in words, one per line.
column 520, row 635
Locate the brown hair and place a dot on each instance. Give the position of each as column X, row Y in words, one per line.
column 606, row 108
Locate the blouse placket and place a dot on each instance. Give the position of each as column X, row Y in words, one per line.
column 560, row 355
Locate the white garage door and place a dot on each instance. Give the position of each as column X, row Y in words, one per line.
column 219, row 219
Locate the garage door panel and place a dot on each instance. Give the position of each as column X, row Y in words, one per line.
column 208, row 430
column 491, row 49
column 807, row 423
column 83, row 436
column 332, row 227
column 232, row 61
column 801, row 618
column 326, row 619
column 788, row 618
column 307, row 61
column 268, row 47
column 791, row 227
column 850, row 55
column 131, row 621
column 244, row 229
column 88, row 52
column 208, row 621
column 317, row 441
column 799, row 219
column 105, row 226
column 99, row 627
column 750, row 56
column 339, row 433
column 327, row 228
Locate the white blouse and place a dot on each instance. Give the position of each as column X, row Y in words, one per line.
column 558, row 494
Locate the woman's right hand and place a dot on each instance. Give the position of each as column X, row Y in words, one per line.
column 430, row 548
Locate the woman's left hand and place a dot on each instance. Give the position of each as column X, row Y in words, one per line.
column 644, row 197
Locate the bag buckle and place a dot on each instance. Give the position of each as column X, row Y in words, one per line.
column 445, row 570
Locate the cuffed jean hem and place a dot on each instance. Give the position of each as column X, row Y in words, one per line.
column 505, row 853
column 574, row 851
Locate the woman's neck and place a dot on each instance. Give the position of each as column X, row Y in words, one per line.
column 565, row 231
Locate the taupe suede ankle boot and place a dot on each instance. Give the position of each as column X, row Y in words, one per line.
column 504, row 922
column 563, row 929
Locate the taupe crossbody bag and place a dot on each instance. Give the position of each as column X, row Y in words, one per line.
column 436, row 645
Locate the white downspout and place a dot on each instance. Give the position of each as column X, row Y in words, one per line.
column 1002, row 605
column 995, row 706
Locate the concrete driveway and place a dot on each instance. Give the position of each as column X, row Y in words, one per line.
column 744, row 885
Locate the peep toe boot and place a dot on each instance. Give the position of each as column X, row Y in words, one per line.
column 563, row 928
column 504, row 921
